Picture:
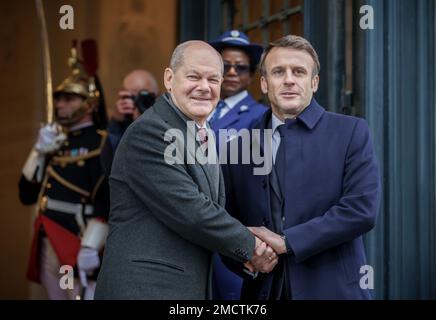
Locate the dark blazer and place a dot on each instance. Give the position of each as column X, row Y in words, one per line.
column 165, row 220
column 331, row 199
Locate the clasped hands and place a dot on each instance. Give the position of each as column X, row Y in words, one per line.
column 269, row 246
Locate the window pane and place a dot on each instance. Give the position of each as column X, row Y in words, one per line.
column 255, row 35
column 275, row 30
column 254, row 88
column 296, row 24
column 239, row 10
column 251, row 12
column 255, row 11
column 275, row 6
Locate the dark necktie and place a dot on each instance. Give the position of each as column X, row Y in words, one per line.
column 280, row 163
column 280, row 288
column 221, row 105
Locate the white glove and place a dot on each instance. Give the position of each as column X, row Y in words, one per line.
column 50, row 139
column 87, row 261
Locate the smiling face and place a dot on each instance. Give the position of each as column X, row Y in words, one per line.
column 289, row 81
column 195, row 85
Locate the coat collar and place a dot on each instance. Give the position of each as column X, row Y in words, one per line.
column 309, row 117
column 236, row 99
column 234, row 114
column 168, row 111
column 172, row 115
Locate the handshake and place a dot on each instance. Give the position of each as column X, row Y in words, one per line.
column 269, row 246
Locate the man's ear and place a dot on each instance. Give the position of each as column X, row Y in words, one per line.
column 89, row 106
column 263, row 85
column 315, row 82
column 168, row 78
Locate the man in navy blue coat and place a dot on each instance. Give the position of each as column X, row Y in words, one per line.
column 321, row 192
column 237, row 110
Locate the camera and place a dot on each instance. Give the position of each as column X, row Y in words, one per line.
column 143, row 100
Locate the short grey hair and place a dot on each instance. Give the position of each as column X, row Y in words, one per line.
column 294, row 42
column 178, row 55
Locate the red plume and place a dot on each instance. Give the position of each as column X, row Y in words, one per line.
column 90, row 56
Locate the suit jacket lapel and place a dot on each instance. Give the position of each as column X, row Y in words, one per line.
column 269, row 180
column 212, row 170
column 272, row 177
column 176, row 119
column 235, row 113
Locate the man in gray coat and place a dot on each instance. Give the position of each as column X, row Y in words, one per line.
column 167, row 218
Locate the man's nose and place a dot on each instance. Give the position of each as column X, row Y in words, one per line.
column 289, row 77
column 59, row 103
column 204, row 85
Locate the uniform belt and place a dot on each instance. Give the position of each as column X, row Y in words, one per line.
column 68, row 207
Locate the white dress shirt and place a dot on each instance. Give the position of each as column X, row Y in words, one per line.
column 230, row 103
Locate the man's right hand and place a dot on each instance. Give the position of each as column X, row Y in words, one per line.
column 271, row 238
column 264, row 258
column 50, row 139
column 124, row 107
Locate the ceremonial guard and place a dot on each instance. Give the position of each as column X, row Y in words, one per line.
column 63, row 175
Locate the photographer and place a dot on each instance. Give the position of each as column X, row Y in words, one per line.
column 138, row 93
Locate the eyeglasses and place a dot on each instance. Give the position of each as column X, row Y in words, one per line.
column 239, row 68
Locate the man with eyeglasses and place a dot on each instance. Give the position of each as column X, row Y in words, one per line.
column 237, row 109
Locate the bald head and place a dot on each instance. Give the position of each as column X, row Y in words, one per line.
column 183, row 49
column 194, row 79
column 140, row 79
